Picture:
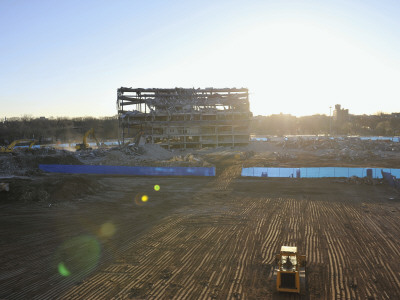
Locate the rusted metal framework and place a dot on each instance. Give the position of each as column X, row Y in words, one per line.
column 185, row 118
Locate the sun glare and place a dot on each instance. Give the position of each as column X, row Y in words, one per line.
column 292, row 66
column 308, row 68
column 296, row 64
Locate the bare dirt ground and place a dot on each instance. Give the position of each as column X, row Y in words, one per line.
column 93, row 237
column 218, row 242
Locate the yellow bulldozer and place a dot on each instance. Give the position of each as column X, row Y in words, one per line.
column 10, row 148
column 290, row 270
column 85, row 144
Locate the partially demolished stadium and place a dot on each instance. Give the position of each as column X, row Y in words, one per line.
column 184, row 118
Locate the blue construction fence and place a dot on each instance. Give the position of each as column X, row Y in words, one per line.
column 317, row 172
column 133, row 171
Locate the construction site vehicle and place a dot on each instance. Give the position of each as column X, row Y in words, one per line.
column 85, row 145
column 10, row 148
column 290, row 268
column 135, row 141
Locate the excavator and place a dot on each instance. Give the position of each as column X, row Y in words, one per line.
column 290, row 268
column 85, row 145
column 10, row 148
column 135, row 141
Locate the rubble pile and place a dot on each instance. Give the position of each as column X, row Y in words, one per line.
column 339, row 144
column 146, row 155
column 284, row 156
column 155, row 152
column 48, row 192
column 349, row 155
column 363, row 180
column 187, row 161
column 297, row 152
column 26, row 163
column 346, row 149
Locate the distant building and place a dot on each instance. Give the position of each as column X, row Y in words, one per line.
column 185, row 118
column 340, row 114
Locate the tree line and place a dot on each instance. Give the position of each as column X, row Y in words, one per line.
column 364, row 125
column 52, row 130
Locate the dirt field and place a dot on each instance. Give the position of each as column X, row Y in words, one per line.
column 91, row 237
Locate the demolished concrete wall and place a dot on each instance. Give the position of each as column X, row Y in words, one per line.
column 185, row 118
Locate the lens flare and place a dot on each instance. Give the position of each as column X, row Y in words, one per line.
column 141, row 199
column 156, row 187
column 62, row 269
column 107, row 230
column 78, row 256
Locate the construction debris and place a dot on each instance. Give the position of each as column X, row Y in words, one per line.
column 365, row 180
column 324, row 152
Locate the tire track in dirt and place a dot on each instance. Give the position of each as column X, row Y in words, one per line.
column 235, row 289
column 374, row 246
column 226, row 177
column 337, row 259
column 350, row 237
column 187, row 263
column 224, row 248
column 167, row 239
column 193, row 261
column 165, row 232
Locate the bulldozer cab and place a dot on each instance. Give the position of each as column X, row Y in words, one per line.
column 289, row 269
column 288, row 258
column 288, row 263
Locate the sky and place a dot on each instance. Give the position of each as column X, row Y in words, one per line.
column 67, row 58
